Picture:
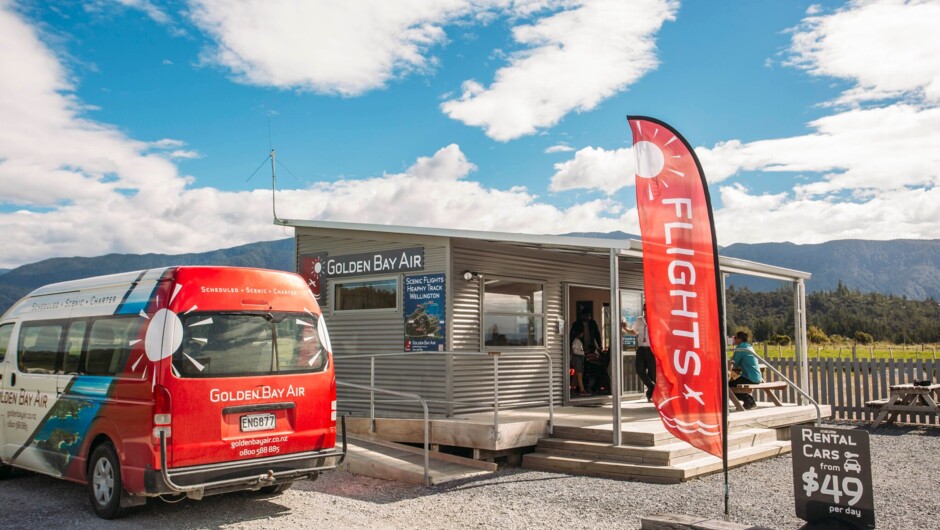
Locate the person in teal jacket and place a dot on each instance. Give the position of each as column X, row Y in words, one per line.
column 744, row 361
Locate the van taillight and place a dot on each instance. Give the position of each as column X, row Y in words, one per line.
column 161, row 413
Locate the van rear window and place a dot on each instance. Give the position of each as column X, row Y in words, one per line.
column 243, row 344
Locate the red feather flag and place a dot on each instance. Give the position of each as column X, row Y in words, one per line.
column 680, row 278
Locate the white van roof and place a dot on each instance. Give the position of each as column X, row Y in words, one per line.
column 121, row 278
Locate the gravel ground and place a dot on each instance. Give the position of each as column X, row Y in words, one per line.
column 906, row 474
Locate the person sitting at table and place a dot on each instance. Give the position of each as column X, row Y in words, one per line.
column 744, row 361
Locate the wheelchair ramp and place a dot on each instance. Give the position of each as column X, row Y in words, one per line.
column 404, row 463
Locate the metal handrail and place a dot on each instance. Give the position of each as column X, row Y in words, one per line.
column 494, row 355
column 427, row 421
column 793, row 386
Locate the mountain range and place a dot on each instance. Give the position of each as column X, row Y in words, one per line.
column 901, row 267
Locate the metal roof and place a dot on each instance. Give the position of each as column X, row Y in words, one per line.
column 598, row 245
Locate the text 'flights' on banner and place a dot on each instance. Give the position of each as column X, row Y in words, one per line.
column 680, row 283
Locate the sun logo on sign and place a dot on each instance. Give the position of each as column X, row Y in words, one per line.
column 651, row 160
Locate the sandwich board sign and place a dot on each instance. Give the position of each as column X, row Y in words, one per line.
column 832, row 476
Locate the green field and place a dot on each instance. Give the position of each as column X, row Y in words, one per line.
column 833, row 351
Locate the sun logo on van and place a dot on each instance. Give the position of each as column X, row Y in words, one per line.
column 164, row 334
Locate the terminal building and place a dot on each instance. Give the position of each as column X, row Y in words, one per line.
column 425, row 310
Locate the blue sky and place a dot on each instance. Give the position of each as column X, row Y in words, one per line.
column 133, row 125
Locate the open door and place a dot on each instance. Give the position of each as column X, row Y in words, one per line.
column 587, row 309
column 631, row 306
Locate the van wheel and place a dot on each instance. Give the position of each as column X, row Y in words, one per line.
column 104, row 482
column 276, row 489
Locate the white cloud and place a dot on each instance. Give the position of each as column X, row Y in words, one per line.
column 887, row 48
column 559, row 148
column 574, row 53
column 868, row 172
column 862, row 149
column 403, row 199
column 595, row 168
column 152, row 11
column 85, row 189
column 345, row 48
column 571, row 61
column 903, row 213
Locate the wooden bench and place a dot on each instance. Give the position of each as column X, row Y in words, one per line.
column 767, row 388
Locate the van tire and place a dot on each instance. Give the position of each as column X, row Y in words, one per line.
column 276, row 489
column 104, row 482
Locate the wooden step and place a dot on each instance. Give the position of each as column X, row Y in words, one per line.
column 391, row 461
column 652, row 473
column 665, row 454
column 651, row 432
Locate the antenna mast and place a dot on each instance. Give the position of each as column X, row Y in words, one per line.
column 274, row 188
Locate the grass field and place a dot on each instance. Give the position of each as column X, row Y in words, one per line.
column 876, row 351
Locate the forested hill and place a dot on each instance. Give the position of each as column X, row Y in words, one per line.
column 902, row 267
column 837, row 314
column 278, row 255
column 907, row 269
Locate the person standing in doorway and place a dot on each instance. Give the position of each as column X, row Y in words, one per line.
column 592, row 332
column 577, row 362
column 645, row 360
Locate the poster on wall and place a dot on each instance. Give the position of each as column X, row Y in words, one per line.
column 423, row 307
column 631, row 307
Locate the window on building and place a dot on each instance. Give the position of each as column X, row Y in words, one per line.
column 513, row 313
column 361, row 295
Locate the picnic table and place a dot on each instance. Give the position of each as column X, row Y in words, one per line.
column 906, row 398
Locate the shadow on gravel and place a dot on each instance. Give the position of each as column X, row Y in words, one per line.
column 35, row 501
column 378, row 491
column 362, row 488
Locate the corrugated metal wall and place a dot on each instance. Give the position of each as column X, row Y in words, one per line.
column 356, row 333
column 522, row 375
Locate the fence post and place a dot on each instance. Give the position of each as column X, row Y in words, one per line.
column 871, row 352
column 854, row 354
column 890, row 353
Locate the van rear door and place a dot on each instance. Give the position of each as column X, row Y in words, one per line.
column 249, row 384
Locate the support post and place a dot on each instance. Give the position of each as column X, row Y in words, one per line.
column 800, row 332
column 372, row 395
column 616, row 357
column 495, row 356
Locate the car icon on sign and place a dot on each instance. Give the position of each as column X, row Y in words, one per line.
column 851, row 464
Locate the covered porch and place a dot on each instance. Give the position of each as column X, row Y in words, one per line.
column 577, row 440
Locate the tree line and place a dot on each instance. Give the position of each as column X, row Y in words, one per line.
column 839, row 315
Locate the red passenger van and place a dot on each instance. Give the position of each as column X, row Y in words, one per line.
column 178, row 381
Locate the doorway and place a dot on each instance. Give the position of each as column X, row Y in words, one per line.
column 581, row 301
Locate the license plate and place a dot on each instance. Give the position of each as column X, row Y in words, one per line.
column 258, row 422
